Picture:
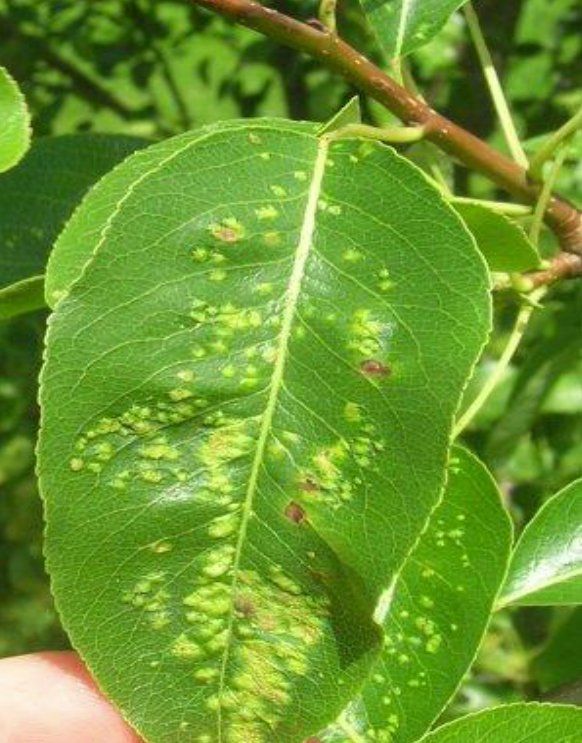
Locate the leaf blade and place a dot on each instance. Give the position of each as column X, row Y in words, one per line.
column 503, row 243
column 290, row 543
column 546, row 565
column 511, row 723
column 432, row 628
column 14, row 122
column 402, row 26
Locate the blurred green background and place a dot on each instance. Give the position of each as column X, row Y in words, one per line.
column 154, row 69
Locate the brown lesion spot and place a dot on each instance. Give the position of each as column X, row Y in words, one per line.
column 320, row 576
column 229, row 230
column 295, row 513
column 244, row 606
column 226, row 234
column 308, row 484
column 375, row 368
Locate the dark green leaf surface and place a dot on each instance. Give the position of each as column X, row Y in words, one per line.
column 38, row 196
column 560, row 661
column 249, row 388
column 503, row 243
column 438, row 609
column 546, row 566
column 14, row 122
column 514, row 723
column 405, row 25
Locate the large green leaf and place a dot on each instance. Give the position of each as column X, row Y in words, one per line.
column 504, row 244
column 437, row 611
column 514, row 723
column 14, row 122
column 249, row 389
column 38, row 196
column 402, row 26
column 546, row 565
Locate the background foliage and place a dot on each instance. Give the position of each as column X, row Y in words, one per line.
column 152, row 69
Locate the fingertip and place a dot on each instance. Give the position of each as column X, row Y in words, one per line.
column 51, row 698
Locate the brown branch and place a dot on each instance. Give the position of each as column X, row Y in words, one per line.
column 563, row 266
column 563, row 218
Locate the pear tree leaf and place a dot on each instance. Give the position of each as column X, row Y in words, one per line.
column 436, row 613
column 402, row 26
column 14, row 122
column 503, row 243
column 350, row 113
column 248, row 388
column 560, row 660
column 38, row 196
column 546, row 565
column 21, row 297
column 513, row 723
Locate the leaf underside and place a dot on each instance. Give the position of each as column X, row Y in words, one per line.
column 247, row 390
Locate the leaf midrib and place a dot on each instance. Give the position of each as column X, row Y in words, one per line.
column 292, row 295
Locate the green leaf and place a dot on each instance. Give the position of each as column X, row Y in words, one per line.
column 546, row 565
column 560, row 660
column 513, row 723
column 544, row 364
column 249, row 388
column 438, row 609
column 21, row 297
column 14, row 122
column 350, row 113
column 402, row 26
column 503, row 243
column 38, row 196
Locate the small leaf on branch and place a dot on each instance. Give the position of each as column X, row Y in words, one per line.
column 402, row 26
column 546, row 566
column 503, row 243
column 14, row 122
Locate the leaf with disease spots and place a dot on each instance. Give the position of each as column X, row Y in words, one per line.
column 546, row 565
column 401, row 26
column 437, row 611
column 249, row 387
column 14, row 122
column 513, row 723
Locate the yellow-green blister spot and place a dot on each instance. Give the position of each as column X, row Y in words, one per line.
column 267, row 212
